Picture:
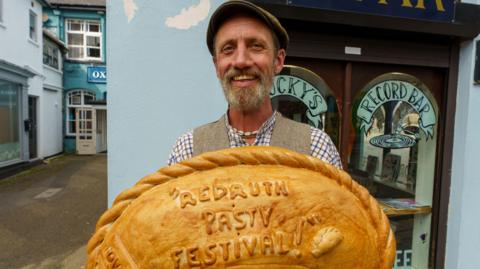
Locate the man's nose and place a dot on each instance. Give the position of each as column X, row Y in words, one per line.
column 242, row 58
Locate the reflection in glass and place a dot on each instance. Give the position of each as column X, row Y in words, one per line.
column 9, row 121
column 393, row 146
column 303, row 96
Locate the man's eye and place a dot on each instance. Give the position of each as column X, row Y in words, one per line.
column 227, row 49
column 257, row 46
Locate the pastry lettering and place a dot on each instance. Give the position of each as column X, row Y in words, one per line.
column 267, row 244
column 210, row 256
column 186, row 198
column 192, row 256
column 216, row 192
column 175, row 257
column 235, row 219
column 237, row 190
column 204, row 194
column 243, row 247
column 254, row 189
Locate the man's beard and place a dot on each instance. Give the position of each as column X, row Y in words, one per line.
column 246, row 99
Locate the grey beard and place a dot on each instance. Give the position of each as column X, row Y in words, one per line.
column 246, row 99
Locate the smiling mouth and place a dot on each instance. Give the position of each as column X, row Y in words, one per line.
column 243, row 77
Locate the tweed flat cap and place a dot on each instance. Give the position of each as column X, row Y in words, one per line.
column 230, row 8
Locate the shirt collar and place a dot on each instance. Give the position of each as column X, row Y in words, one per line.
column 266, row 127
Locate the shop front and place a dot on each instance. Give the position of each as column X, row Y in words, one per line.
column 13, row 113
column 86, row 108
column 383, row 86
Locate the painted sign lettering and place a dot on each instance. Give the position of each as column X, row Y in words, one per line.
column 435, row 10
column 396, row 90
column 97, row 74
column 304, row 92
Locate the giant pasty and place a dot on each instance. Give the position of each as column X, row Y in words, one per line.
column 251, row 207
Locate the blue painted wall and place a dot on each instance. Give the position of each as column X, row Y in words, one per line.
column 161, row 83
column 75, row 73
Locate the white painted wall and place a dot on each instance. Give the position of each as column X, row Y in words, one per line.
column 51, row 112
column 463, row 234
column 51, row 143
column 19, row 49
column 27, row 53
column 161, row 83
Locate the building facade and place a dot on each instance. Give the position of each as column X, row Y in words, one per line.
column 81, row 26
column 390, row 81
column 30, row 93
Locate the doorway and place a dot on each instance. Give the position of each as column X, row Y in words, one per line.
column 85, row 131
column 32, row 127
column 101, row 130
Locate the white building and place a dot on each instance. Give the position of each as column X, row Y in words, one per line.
column 30, row 92
column 51, row 113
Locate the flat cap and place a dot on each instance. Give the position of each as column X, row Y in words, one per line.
column 230, row 8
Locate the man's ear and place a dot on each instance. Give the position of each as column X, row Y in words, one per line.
column 279, row 60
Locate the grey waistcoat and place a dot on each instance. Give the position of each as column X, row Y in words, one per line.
column 287, row 134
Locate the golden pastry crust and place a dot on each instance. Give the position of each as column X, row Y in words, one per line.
column 250, row 207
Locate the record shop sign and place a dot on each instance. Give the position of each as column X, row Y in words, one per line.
column 396, row 90
column 433, row 10
column 303, row 91
column 97, row 74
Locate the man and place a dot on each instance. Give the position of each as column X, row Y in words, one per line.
column 248, row 46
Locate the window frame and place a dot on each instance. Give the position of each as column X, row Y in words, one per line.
column 51, row 48
column 84, row 31
column 69, row 106
column 32, row 35
column 1, row 12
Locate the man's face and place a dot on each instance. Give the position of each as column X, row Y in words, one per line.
column 246, row 62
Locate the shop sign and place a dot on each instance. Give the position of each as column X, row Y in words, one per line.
column 97, row 74
column 396, row 90
column 303, row 91
column 437, row 10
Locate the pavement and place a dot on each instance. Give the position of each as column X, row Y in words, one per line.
column 48, row 213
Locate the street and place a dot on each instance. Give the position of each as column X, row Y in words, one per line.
column 48, row 213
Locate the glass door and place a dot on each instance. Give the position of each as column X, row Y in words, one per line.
column 86, row 131
column 10, row 127
column 32, row 126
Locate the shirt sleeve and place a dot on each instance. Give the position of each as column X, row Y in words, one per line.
column 182, row 149
column 323, row 148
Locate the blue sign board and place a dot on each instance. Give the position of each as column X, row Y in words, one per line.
column 97, row 74
column 433, row 10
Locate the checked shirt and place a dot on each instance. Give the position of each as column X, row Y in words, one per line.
column 321, row 145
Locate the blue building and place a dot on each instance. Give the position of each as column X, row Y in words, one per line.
column 81, row 25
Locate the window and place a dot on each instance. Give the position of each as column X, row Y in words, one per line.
column 10, row 110
column 1, row 11
column 76, row 99
column 393, row 153
column 387, row 124
column 33, row 26
column 84, row 40
column 50, row 54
